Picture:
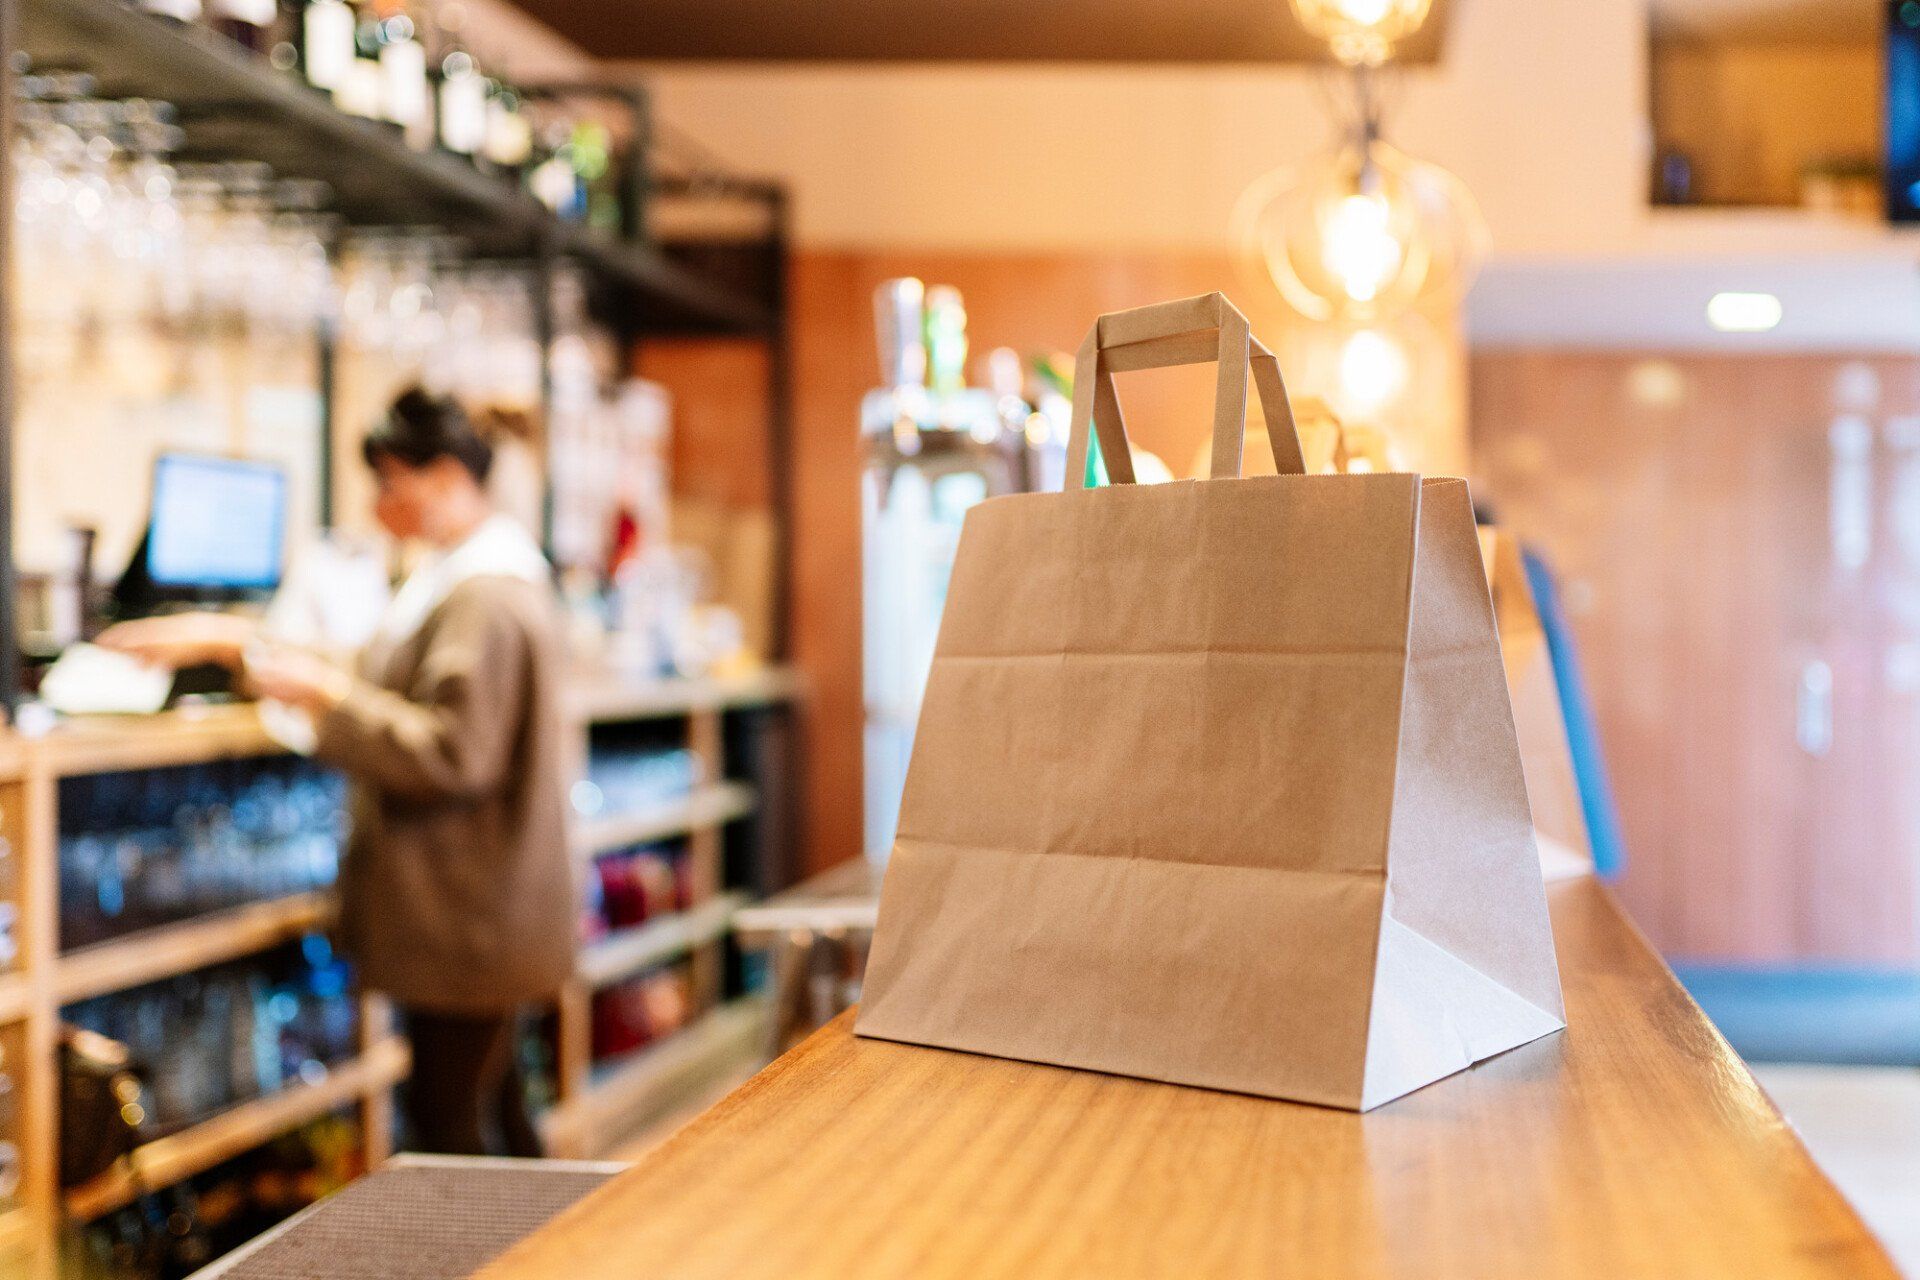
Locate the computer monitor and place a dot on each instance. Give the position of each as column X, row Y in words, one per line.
column 218, row 526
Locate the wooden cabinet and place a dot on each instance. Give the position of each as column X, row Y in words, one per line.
column 1738, row 542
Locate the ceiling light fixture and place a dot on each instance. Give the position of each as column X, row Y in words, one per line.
column 1361, row 33
column 1743, row 312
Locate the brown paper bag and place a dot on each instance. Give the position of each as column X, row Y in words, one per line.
column 1215, row 781
column 1539, row 722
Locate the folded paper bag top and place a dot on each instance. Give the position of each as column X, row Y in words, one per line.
column 1216, row 783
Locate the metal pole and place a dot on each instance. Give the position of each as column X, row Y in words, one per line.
column 780, row 446
column 9, row 586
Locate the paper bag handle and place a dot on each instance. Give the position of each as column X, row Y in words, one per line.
column 1165, row 334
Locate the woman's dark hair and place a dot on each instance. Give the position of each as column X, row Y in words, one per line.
column 421, row 428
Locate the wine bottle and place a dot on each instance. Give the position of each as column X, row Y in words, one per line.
column 461, row 94
column 326, row 38
column 362, row 84
column 509, row 140
column 404, row 95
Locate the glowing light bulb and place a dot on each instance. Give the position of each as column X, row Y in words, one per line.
column 1361, row 32
column 1373, row 373
column 1360, row 248
column 1366, row 13
column 1361, row 235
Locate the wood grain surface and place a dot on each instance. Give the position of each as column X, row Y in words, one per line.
column 1634, row 1144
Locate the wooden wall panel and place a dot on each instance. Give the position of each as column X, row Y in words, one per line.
column 1690, row 504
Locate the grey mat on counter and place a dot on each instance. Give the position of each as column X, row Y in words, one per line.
column 418, row 1218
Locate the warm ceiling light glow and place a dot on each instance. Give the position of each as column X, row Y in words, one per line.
column 1373, row 373
column 1360, row 244
column 1743, row 312
column 1362, row 234
column 1361, row 32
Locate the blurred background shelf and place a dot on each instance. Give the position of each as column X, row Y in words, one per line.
column 152, row 954
column 603, row 699
column 168, row 1160
column 627, row 1094
column 16, row 995
column 709, row 806
column 628, row 951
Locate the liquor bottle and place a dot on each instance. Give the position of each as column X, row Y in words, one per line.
column 405, row 97
column 509, row 140
column 946, row 340
column 362, row 85
column 461, row 94
column 326, row 43
column 553, row 180
column 245, row 22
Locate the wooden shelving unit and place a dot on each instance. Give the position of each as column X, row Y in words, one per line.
column 178, row 1156
column 45, row 980
column 16, row 997
column 597, row 1106
column 628, row 951
column 711, row 805
column 652, row 1082
column 200, row 943
column 603, row 700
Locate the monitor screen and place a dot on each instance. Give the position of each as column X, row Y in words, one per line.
column 1901, row 124
column 218, row 523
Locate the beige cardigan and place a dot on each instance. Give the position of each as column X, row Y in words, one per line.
column 457, row 892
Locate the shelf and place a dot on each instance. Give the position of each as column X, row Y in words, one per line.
column 16, row 1233
column 152, row 954
column 710, row 806
column 168, row 1160
column 192, row 735
column 653, row 1080
column 627, row 951
column 608, row 700
column 15, row 996
column 844, row 898
column 234, row 106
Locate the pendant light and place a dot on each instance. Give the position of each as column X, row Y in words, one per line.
column 1361, row 33
column 1364, row 232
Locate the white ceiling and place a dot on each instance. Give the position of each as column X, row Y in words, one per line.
column 1827, row 21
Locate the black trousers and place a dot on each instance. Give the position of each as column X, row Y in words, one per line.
column 466, row 1096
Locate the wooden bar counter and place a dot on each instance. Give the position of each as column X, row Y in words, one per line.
column 1635, row 1144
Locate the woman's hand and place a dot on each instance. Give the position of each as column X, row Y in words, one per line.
column 183, row 639
column 296, row 677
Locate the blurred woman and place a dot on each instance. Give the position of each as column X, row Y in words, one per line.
column 456, row 892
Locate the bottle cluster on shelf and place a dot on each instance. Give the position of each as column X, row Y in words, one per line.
column 181, row 1228
column 644, row 1009
column 409, row 65
column 208, row 1040
column 159, row 846
column 630, row 887
column 627, row 779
